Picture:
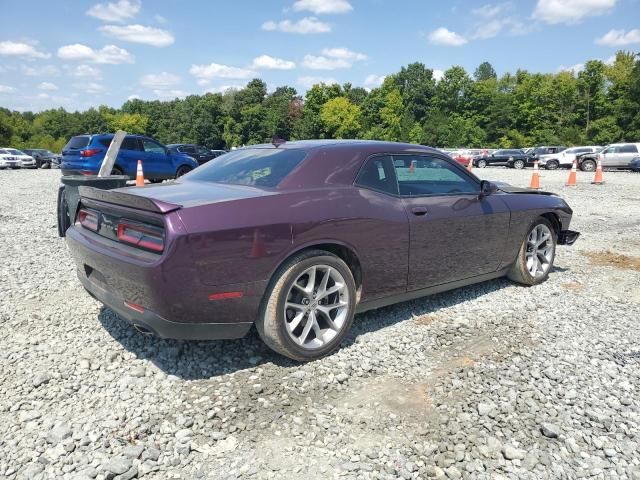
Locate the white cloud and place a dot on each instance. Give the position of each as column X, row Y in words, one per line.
column 306, row 25
column 156, row 37
column 90, row 87
column 48, row 86
column 109, row 54
column 115, row 11
column 133, row 97
column 344, row 54
column 619, row 38
column 570, row 11
column 21, row 49
column 86, row 71
column 443, row 36
column 310, row 81
column 575, row 69
column 491, row 10
column 6, row 89
column 438, row 74
column 169, row 94
column 332, row 59
column 163, row 80
column 216, row 70
column 373, row 81
column 40, row 71
column 323, row 7
column 224, row 88
column 266, row 62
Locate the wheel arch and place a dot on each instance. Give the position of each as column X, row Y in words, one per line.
column 347, row 253
column 554, row 220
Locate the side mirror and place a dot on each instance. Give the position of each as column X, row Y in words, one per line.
column 487, row 188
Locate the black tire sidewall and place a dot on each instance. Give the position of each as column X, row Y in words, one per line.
column 553, row 165
column 292, row 274
column 522, row 257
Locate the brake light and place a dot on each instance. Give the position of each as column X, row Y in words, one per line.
column 142, row 236
column 88, row 219
column 89, row 152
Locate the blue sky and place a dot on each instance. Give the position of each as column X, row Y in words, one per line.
column 79, row 54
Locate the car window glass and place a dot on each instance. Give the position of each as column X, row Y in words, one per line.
column 130, row 144
column 628, row 149
column 378, row 174
column 190, row 149
column 150, row 146
column 425, row 175
column 265, row 167
column 203, row 151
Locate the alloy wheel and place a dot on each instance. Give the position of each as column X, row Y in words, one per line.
column 519, row 164
column 540, row 250
column 482, row 164
column 316, row 307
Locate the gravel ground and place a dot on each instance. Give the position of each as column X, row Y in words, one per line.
column 490, row 381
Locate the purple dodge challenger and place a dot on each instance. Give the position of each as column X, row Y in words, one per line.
column 300, row 236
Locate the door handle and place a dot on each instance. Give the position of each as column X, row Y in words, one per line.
column 419, row 211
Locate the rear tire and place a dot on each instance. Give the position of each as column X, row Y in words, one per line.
column 183, row 170
column 117, row 171
column 536, row 255
column 588, row 166
column 518, row 164
column 325, row 319
column 482, row 163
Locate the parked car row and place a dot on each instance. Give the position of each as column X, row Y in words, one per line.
column 28, row 158
column 617, row 155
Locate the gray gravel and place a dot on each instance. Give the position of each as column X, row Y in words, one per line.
column 491, row 381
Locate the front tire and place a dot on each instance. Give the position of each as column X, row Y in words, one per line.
column 552, row 165
column 588, row 166
column 309, row 306
column 536, row 255
column 482, row 163
column 518, row 164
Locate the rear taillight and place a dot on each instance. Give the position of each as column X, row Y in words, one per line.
column 88, row 219
column 143, row 236
column 90, row 152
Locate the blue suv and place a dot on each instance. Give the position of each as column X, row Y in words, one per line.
column 83, row 155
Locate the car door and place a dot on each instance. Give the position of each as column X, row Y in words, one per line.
column 129, row 155
column 608, row 157
column 203, row 154
column 454, row 232
column 156, row 165
column 628, row 152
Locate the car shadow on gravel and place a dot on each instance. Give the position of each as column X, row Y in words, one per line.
column 197, row 360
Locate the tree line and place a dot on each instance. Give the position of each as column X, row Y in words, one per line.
column 598, row 105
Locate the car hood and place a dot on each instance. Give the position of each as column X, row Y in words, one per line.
column 507, row 188
column 190, row 193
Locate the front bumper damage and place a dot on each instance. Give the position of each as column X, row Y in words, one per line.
column 568, row 237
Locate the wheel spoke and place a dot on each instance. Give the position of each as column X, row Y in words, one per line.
column 336, row 288
column 307, row 328
column 293, row 324
column 311, row 282
column 295, row 306
column 323, row 283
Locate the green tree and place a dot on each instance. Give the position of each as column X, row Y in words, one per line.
column 341, row 118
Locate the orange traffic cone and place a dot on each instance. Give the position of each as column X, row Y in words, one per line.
column 412, row 167
column 470, row 165
column 573, row 181
column 597, row 180
column 535, row 178
column 139, row 175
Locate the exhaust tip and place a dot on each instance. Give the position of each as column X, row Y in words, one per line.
column 143, row 330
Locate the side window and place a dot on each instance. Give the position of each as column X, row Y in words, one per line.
column 130, row 143
column 189, row 149
column 378, row 174
column 203, row 151
column 151, row 147
column 425, row 175
column 629, row 148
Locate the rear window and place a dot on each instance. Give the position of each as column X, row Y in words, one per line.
column 262, row 167
column 77, row 143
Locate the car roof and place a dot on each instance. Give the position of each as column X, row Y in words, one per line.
column 354, row 144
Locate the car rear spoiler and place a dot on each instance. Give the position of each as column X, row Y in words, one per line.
column 127, row 200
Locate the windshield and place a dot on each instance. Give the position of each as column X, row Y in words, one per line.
column 77, row 143
column 264, row 167
column 13, row 151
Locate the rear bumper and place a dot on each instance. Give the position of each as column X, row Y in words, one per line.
column 171, row 300
column 147, row 321
column 568, row 237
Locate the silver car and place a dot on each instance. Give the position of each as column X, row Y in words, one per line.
column 619, row 155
